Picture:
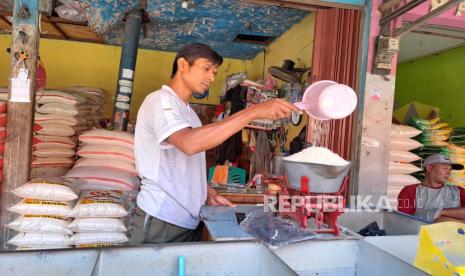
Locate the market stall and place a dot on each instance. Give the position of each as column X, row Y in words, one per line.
column 83, row 222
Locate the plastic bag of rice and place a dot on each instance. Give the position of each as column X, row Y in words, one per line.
column 29, row 206
column 59, row 189
column 100, row 204
column 80, row 239
column 317, row 155
column 41, row 224
column 40, row 240
column 97, row 225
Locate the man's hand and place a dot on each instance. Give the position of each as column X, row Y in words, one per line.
column 274, row 109
column 215, row 199
column 219, row 200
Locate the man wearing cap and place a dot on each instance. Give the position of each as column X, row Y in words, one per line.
column 433, row 200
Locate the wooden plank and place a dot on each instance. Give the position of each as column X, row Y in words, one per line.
column 284, row 4
column 18, row 148
column 57, row 27
column 48, row 29
column 4, row 19
column 349, row 4
column 79, row 32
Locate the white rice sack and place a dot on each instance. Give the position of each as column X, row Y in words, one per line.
column 401, row 180
column 402, row 168
column 97, row 225
column 41, row 224
column 39, row 240
column 58, row 109
column 403, row 131
column 39, row 162
column 70, row 142
column 99, row 204
column 107, row 152
column 55, row 119
column 125, row 167
column 317, row 155
column 54, row 129
column 45, row 247
column 97, row 178
column 54, row 152
column 29, row 206
column 58, row 189
column 402, row 156
column 109, row 238
column 56, row 96
column 404, row 144
column 108, row 137
column 48, row 172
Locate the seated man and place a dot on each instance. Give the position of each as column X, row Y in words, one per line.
column 432, row 200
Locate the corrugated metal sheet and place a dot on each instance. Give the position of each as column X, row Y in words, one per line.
column 335, row 56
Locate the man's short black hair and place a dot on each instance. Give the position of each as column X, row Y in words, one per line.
column 192, row 52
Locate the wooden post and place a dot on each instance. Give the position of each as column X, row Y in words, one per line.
column 17, row 157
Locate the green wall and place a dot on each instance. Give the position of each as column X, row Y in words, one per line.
column 437, row 80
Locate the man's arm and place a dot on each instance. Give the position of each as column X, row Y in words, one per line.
column 195, row 140
column 456, row 213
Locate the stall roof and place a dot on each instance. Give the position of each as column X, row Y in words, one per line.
column 215, row 22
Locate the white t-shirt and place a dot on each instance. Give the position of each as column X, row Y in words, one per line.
column 174, row 185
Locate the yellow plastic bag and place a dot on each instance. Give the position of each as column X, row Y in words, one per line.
column 441, row 249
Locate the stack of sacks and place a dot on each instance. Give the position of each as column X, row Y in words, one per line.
column 4, row 94
column 3, row 106
column 107, row 161
column 434, row 133
column 457, row 155
column 457, row 136
column 56, row 120
column 98, row 219
column 43, row 211
column 95, row 102
column 400, row 159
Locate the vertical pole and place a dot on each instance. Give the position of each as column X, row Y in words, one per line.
column 21, row 101
column 126, row 70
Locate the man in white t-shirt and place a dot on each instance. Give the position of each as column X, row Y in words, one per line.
column 170, row 144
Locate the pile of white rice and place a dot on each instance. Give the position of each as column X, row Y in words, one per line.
column 317, row 155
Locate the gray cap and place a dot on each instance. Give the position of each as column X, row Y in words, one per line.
column 441, row 159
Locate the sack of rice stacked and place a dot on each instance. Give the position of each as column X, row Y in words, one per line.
column 99, row 219
column 434, row 132
column 400, row 159
column 457, row 155
column 56, row 120
column 95, row 103
column 43, row 212
column 3, row 106
column 4, row 94
column 106, row 161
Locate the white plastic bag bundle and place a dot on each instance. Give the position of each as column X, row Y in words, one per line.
column 59, row 189
column 401, row 180
column 41, row 224
column 80, row 239
column 402, row 168
column 97, row 225
column 404, row 144
column 402, row 156
column 403, row 131
column 99, row 204
column 40, row 240
column 29, row 206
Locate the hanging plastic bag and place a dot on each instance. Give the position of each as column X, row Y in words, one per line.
column 274, row 231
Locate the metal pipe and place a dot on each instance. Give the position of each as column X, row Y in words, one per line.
column 400, row 11
column 410, row 26
column 126, row 70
